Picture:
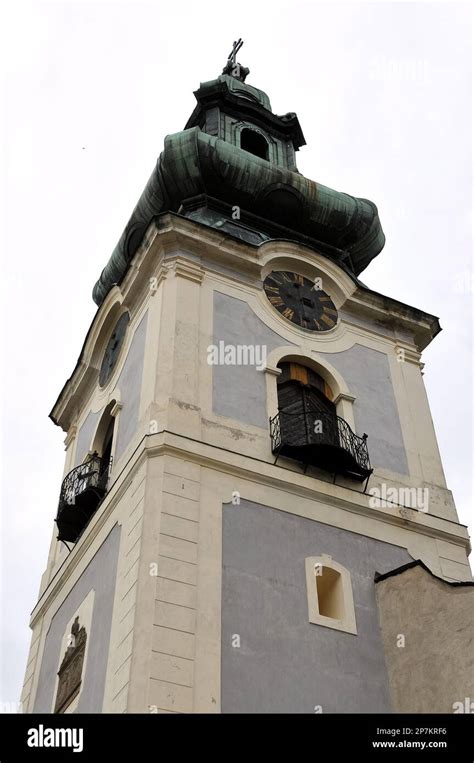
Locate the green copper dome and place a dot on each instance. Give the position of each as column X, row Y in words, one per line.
column 235, row 151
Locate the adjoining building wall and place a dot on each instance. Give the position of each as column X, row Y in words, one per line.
column 428, row 630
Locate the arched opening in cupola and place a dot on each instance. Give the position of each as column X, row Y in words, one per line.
column 253, row 142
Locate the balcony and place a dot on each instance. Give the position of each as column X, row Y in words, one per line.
column 81, row 493
column 332, row 445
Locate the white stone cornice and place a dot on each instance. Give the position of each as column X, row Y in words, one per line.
column 398, row 315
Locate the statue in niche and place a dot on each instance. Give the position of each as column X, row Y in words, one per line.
column 70, row 672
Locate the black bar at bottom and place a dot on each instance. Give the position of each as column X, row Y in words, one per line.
column 142, row 737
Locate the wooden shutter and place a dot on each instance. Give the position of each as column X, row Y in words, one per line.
column 298, row 373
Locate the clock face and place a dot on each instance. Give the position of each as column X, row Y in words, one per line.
column 113, row 349
column 296, row 298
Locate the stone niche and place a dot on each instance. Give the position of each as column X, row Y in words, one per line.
column 70, row 671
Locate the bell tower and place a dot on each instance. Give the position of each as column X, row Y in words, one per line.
column 251, row 465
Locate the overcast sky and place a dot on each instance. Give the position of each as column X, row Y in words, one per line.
column 383, row 95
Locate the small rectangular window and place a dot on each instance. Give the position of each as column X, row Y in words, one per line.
column 329, row 592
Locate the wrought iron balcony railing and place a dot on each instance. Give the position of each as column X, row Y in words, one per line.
column 81, row 493
column 326, row 442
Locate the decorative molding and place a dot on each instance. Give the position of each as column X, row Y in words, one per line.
column 160, row 277
column 377, row 307
column 70, row 672
column 116, row 408
column 72, row 432
column 344, row 396
column 408, row 353
column 273, row 371
column 188, row 269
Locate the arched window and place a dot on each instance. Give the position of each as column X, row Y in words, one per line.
column 308, row 428
column 329, row 591
column 253, row 142
column 85, row 486
column 106, row 456
column 305, row 403
column 103, row 442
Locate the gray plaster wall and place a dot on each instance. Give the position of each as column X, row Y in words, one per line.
column 285, row 663
column 239, row 392
column 84, row 436
column 367, row 374
column 100, row 575
column 129, row 384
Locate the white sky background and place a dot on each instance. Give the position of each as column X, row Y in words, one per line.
column 383, row 95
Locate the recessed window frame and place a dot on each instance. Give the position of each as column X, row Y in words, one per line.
column 314, row 568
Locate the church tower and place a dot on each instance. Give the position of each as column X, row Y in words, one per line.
column 253, row 507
